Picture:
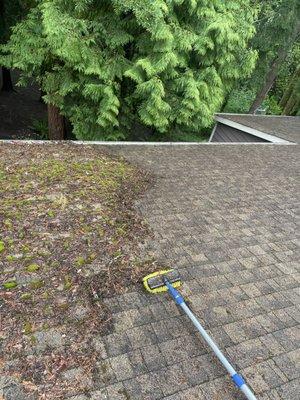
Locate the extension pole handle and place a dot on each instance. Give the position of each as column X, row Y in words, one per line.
column 237, row 379
column 248, row 392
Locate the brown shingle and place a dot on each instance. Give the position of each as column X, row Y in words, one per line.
column 284, row 127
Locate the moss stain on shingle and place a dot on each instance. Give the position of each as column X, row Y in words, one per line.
column 10, row 285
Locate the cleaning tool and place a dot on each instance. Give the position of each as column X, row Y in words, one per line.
column 154, row 283
column 169, row 280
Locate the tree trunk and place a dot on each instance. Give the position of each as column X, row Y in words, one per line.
column 296, row 108
column 291, row 104
column 287, row 93
column 273, row 71
column 291, row 92
column 270, row 78
column 56, row 124
column 7, row 85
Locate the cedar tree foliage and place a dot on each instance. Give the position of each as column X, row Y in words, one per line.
column 114, row 65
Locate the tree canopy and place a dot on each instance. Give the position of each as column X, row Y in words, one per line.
column 111, row 66
column 276, row 42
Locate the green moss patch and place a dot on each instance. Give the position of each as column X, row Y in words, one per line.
column 37, row 284
column 26, row 296
column 32, row 268
column 27, row 329
column 71, row 237
column 10, row 285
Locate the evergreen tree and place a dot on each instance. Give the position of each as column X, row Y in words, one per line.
column 277, row 30
column 111, row 65
column 11, row 11
column 279, row 25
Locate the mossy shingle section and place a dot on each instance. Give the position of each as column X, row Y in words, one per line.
column 69, row 240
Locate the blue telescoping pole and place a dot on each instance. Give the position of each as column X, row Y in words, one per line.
column 237, row 379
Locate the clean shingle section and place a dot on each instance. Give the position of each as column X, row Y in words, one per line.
column 225, row 216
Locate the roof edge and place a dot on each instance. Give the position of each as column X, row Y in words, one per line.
column 101, row 143
column 258, row 115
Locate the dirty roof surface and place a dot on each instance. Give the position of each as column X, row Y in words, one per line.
column 69, row 241
column 284, row 127
column 225, row 216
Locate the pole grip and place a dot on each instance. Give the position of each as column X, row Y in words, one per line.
column 174, row 293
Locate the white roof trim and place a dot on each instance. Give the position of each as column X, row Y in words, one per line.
column 251, row 131
column 213, row 132
column 257, row 115
column 102, row 143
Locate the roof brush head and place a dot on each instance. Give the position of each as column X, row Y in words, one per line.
column 156, row 282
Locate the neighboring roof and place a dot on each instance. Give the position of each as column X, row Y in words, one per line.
column 227, row 134
column 280, row 127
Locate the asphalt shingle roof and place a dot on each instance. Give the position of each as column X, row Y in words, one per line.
column 226, row 217
column 284, row 127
